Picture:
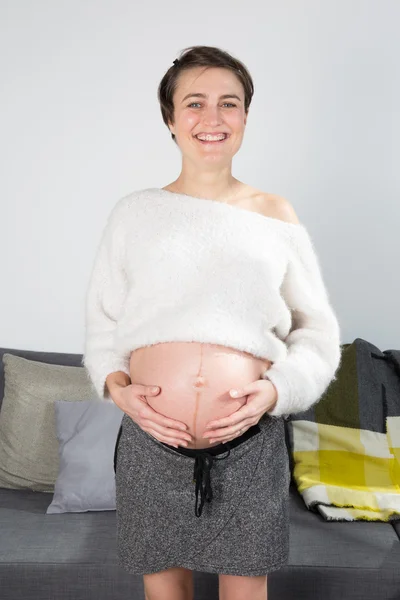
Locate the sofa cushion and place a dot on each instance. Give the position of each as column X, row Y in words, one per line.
column 87, row 432
column 28, row 441
column 53, row 358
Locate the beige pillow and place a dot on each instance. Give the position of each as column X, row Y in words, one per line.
column 29, row 455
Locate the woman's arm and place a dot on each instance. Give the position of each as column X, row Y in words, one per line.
column 313, row 343
column 104, row 302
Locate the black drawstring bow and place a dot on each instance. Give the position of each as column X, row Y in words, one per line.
column 202, row 466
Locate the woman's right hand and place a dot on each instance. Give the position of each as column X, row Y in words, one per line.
column 132, row 400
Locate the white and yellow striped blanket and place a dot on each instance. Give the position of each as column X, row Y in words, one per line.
column 346, row 449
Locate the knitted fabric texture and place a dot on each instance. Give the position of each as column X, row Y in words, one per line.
column 171, row 267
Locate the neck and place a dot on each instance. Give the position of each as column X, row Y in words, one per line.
column 213, row 190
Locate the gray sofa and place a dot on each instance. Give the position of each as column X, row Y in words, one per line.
column 73, row 556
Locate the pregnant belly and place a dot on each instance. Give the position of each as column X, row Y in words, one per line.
column 194, row 380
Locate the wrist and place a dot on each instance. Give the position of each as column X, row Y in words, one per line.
column 274, row 394
column 116, row 381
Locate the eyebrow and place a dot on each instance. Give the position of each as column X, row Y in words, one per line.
column 205, row 96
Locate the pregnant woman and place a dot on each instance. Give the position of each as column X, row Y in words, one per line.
column 200, row 288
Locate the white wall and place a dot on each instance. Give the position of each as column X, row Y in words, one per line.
column 81, row 127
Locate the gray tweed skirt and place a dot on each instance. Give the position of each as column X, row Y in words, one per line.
column 223, row 509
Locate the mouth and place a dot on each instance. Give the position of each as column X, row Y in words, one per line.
column 227, row 135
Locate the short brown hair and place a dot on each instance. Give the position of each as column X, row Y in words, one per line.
column 200, row 56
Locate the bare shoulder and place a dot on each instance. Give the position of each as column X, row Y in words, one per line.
column 278, row 207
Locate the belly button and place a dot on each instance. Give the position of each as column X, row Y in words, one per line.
column 200, row 382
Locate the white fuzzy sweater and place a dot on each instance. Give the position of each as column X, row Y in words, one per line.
column 172, row 267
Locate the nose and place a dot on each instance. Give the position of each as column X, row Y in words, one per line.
column 212, row 115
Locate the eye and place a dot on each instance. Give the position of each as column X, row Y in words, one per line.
column 190, row 105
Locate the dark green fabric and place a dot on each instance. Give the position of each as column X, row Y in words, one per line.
column 365, row 392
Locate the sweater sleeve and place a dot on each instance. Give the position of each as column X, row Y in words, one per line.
column 313, row 343
column 104, row 302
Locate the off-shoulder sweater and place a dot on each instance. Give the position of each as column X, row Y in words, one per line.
column 175, row 268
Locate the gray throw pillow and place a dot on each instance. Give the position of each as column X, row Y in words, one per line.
column 87, row 434
column 28, row 440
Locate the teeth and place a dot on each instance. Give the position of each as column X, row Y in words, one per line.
column 211, row 138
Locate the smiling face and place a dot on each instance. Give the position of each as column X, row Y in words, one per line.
column 209, row 100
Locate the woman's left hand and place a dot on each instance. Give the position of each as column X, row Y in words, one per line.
column 261, row 397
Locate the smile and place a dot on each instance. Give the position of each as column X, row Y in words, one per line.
column 211, row 141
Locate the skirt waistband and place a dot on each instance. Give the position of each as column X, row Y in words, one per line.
column 219, row 448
